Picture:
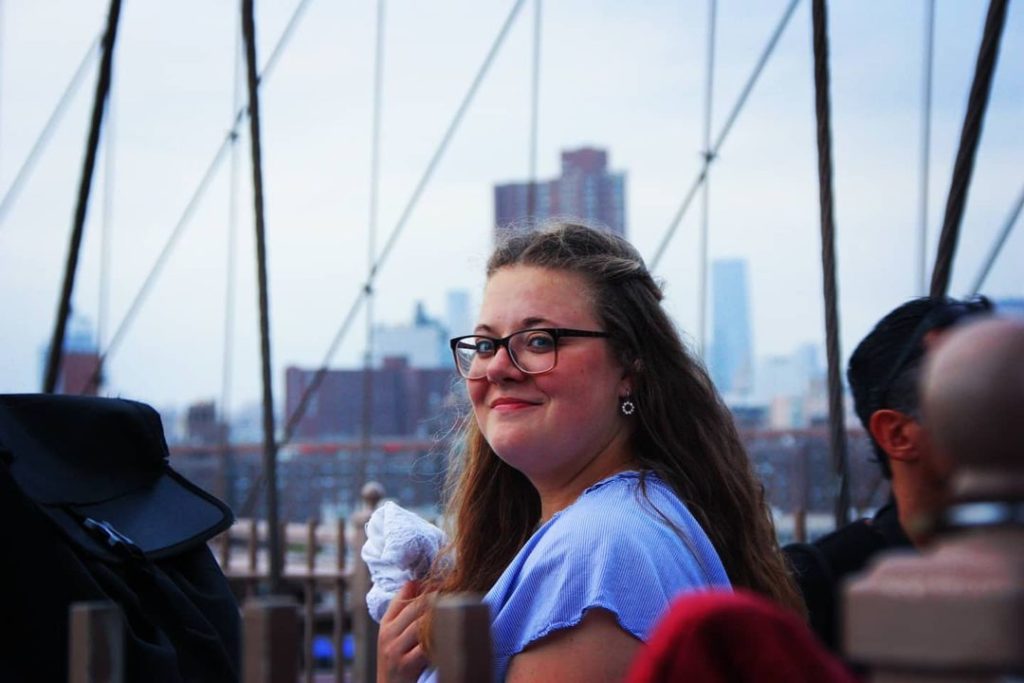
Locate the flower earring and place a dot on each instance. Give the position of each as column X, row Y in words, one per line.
column 627, row 406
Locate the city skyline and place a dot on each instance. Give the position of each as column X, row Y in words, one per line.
column 626, row 78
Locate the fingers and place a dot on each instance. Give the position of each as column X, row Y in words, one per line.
column 400, row 655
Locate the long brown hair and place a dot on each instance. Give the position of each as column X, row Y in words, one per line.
column 684, row 432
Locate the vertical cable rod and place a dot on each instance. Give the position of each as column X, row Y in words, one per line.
column 926, row 143
column 269, row 440
column 56, row 350
column 227, row 367
column 702, row 287
column 822, row 109
column 95, row 382
column 371, row 251
column 531, row 191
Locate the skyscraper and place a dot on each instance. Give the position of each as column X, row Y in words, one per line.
column 585, row 191
column 731, row 359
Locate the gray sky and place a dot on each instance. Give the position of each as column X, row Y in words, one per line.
column 626, row 76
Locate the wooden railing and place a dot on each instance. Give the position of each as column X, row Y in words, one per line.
column 323, row 571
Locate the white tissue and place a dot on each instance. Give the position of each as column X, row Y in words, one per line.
column 400, row 546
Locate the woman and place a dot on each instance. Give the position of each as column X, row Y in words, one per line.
column 601, row 474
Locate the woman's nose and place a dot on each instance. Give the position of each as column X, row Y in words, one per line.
column 501, row 367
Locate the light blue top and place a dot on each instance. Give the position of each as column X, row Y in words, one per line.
column 610, row 549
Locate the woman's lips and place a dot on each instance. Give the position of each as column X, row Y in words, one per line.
column 511, row 404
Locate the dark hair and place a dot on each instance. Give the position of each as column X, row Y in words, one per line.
column 684, row 432
column 884, row 368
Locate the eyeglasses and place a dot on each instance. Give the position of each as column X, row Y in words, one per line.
column 534, row 350
column 944, row 315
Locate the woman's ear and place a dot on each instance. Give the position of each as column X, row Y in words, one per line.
column 897, row 433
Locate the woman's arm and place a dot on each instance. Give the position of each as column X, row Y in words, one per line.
column 597, row 649
column 400, row 656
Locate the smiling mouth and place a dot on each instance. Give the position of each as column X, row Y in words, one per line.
column 509, row 405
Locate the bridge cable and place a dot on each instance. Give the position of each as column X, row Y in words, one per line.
column 321, row 373
column 730, row 120
column 14, row 189
column 400, row 225
column 926, row 143
column 269, row 435
column 71, row 267
column 1011, row 220
column 227, row 368
column 531, row 192
column 702, row 288
column 199, row 192
column 970, row 135
column 106, row 228
column 837, row 427
column 371, row 250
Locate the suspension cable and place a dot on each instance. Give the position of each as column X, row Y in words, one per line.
column 837, row 431
column 227, row 368
column 926, row 143
column 970, row 135
column 702, row 287
column 531, row 188
column 56, row 351
column 730, row 120
column 106, row 227
column 199, row 192
column 300, row 409
column 48, row 128
column 1011, row 220
column 269, row 436
column 371, row 242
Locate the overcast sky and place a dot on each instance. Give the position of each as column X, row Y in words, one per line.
column 626, row 76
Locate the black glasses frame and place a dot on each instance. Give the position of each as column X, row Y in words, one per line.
column 556, row 333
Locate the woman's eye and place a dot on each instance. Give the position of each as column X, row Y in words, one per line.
column 484, row 347
column 540, row 342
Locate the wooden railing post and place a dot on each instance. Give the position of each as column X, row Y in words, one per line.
column 309, row 599
column 462, row 640
column 364, row 628
column 270, row 647
column 95, row 643
column 339, row 603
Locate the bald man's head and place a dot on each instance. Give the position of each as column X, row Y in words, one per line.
column 973, row 396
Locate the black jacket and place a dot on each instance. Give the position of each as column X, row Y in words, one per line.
column 821, row 567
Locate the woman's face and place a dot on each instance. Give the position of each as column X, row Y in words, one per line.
column 549, row 426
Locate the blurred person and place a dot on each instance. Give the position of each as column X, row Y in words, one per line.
column 600, row 476
column 883, row 374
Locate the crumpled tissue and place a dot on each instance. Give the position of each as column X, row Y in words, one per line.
column 400, row 547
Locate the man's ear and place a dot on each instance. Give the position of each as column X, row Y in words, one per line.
column 897, row 433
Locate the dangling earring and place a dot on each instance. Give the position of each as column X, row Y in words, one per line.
column 627, row 406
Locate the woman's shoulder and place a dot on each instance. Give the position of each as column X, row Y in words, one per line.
column 628, row 520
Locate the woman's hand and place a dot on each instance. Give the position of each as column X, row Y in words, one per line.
column 400, row 657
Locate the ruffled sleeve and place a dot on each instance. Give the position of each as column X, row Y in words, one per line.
column 610, row 550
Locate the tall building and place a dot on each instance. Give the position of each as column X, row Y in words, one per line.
column 731, row 359
column 405, row 401
column 584, row 191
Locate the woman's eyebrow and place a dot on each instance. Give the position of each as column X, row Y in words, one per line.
column 525, row 323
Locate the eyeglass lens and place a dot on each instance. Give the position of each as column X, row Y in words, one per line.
column 532, row 351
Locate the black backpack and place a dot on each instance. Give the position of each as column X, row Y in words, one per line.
column 90, row 509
